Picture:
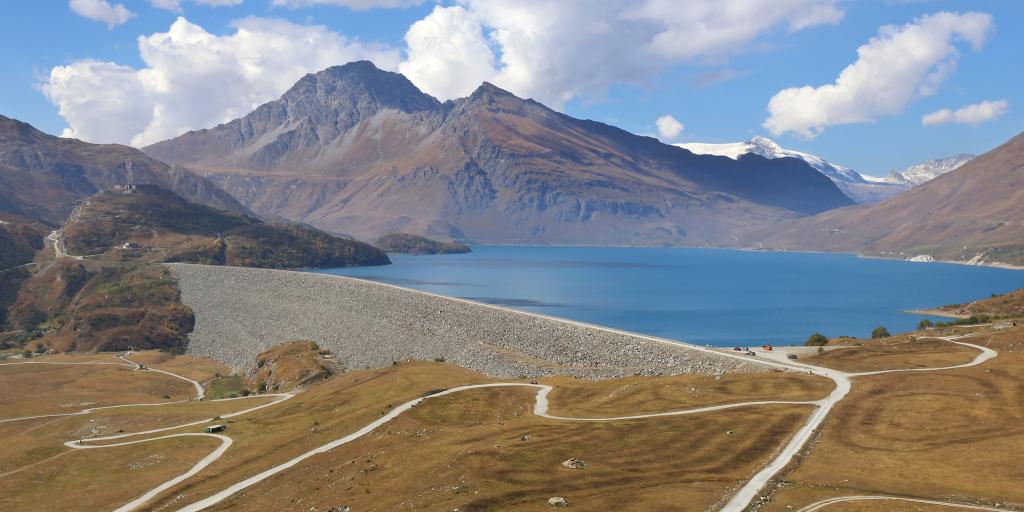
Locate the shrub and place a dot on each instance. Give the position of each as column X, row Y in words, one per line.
column 880, row 332
column 924, row 324
column 816, row 340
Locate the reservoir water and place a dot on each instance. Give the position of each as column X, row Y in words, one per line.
column 705, row 296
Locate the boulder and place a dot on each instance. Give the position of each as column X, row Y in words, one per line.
column 558, row 502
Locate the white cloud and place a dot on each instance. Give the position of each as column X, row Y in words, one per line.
column 973, row 114
column 357, row 5
column 100, row 101
column 102, row 10
column 892, row 69
column 713, row 29
column 550, row 51
column 194, row 79
column 448, row 55
column 175, row 5
column 669, row 127
column 556, row 51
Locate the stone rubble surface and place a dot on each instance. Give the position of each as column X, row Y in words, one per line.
column 241, row 312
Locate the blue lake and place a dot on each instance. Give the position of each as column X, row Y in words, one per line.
column 705, row 296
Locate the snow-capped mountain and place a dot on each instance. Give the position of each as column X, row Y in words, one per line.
column 925, row 171
column 859, row 188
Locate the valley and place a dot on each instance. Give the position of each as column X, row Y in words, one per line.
column 492, row 255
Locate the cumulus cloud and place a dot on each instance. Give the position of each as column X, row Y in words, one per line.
column 100, row 101
column 892, row 69
column 194, row 79
column 102, row 10
column 669, row 127
column 550, row 51
column 175, row 5
column 557, row 51
column 357, row 5
column 448, row 55
column 973, row 114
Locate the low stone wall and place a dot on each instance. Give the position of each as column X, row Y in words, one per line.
column 241, row 311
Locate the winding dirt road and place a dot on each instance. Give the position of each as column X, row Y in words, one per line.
column 738, row 502
column 212, row 457
column 849, row 499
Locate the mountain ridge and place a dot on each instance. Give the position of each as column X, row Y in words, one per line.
column 855, row 185
column 43, row 176
column 972, row 215
column 487, row 167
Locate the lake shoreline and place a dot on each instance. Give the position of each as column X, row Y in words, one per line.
column 1004, row 266
column 937, row 312
column 723, row 297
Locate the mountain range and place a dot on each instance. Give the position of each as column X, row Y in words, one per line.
column 972, row 214
column 357, row 150
column 927, row 170
column 861, row 188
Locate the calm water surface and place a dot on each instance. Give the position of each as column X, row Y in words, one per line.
column 712, row 296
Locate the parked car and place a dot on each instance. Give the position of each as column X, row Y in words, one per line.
column 750, row 353
column 791, row 356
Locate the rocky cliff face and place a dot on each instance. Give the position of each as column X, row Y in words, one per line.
column 357, row 150
column 42, row 176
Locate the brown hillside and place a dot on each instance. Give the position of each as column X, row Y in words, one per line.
column 42, row 176
column 166, row 228
column 71, row 306
column 975, row 213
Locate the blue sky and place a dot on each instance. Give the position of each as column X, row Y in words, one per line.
column 612, row 76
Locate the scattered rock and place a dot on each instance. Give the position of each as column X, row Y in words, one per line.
column 558, row 502
column 240, row 312
column 575, row 463
column 524, row 438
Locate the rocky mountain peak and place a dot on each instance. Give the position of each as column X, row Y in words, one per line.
column 766, row 147
column 489, row 90
column 354, row 83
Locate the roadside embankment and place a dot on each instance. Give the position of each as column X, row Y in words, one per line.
column 241, row 312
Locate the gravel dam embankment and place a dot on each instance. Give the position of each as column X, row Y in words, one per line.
column 242, row 311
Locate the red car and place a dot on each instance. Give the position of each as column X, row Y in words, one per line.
column 767, row 348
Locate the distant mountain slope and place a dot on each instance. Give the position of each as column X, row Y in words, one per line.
column 42, row 176
column 927, row 170
column 165, row 227
column 973, row 214
column 853, row 184
column 357, row 150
